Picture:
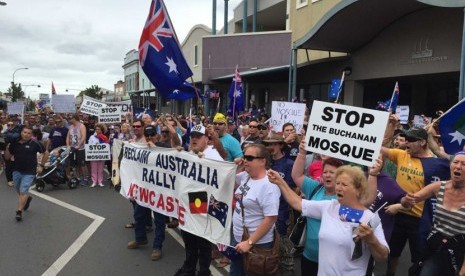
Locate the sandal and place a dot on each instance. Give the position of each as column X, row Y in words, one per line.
column 129, row 225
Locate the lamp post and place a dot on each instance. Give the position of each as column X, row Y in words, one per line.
column 24, row 68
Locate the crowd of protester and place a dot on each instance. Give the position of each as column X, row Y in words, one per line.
column 356, row 216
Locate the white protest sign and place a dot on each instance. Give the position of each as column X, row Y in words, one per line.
column 97, row 152
column 418, row 121
column 126, row 106
column 346, row 132
column 196, row 191
column 63, row 103
column 287, row 112
column 91, row 106
column 110, row 115
column 44, row 96
column 15, row 108
column 402, row 113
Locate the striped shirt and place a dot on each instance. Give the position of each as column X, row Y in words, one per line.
column 449, row 223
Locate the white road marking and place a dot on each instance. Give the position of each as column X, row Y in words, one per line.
column 178, row 238
column 61, row 262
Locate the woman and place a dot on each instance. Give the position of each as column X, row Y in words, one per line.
column 97, row 165
column 259, row 200
column 349, row 232
column 125, row 134
column 446, row 242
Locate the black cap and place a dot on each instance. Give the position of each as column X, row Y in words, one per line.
column 417, row 134
column 150, row 131
column 231, row 122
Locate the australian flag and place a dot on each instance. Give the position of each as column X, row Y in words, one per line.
column 139, row 111
column 218, row 210
column 452, row 128
column 236, row 95
column 336, row 88
column 391, row 103
column 161, row 58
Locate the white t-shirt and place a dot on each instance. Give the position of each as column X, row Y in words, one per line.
column 260, row 199
column 212, row 153
column 336, row 244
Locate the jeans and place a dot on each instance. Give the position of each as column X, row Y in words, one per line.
column 197, row 249
column 140, row 219
column 432, row 266
column 237, row 264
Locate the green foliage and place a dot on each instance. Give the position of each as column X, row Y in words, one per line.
column 16, row 92
column 93, row 91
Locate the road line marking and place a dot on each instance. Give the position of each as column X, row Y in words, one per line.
column 214, row 270
column 64, row 259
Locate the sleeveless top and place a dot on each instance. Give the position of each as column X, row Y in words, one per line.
column 449, row 223
column 75, row 136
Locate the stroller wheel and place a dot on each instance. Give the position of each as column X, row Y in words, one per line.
column 40, row 185
column 72, row 183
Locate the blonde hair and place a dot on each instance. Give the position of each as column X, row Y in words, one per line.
column 359, row 181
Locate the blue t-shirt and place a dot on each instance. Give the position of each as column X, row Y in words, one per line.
column 232, row 147
column 58, row 137
column 284, row 167
column 313, row 225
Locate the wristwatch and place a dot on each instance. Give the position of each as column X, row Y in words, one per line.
column 250, row 242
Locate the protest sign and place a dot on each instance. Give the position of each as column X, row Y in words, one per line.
column 418, row 121
column 287, row 112
column 110, row 115
column 346, row 132
column 196, row 191
column 97, row 152
column 402, row 113
column 63, row 103
column 92, row 106
column 15, row 108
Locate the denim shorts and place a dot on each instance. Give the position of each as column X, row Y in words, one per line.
column 22, row 182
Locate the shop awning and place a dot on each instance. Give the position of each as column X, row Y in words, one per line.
column 362, row 21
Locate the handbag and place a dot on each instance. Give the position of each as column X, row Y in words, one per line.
column 298, row 234
column 260, row 261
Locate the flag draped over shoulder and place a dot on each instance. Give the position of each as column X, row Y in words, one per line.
column 236, row 95
column 161, row 58
column 452, row 128
column 391, row 103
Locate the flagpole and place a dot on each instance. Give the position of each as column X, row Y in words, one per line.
column 340, row 86
column 199, row 101
column 234, row 93
column 393, row 93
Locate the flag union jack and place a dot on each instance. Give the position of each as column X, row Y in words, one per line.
column 156, row 26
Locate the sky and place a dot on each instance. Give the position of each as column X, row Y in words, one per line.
column 77, row 44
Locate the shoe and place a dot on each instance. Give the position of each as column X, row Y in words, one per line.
column 173, row 224
column 84, row 182
column 10, row 183
column 93, row 185
column 135, row 244
column 182, row 272
column 101, row 185
column 156, row 255
column 28, row 202
column 19, row 215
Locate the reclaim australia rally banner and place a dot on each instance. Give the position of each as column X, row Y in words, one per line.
column 196, row 191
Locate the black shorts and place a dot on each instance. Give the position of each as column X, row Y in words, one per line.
column 77, row 158
column 405, row 229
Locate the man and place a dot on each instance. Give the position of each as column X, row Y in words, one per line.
column 12, row 134
column 232, row 129
column 415, row 169
column 198, row 248
column 37, row 123
column 282, row 164
column 390, row 168
column 50, row 125
column 291, row 139
column 253, row 137
column 230, row 144
column 24, row 153
column 76, row 139
column 263, row 130
column 58, row 134
column 147, row 119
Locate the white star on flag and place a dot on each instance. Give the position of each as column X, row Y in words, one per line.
column 172, row 65
column 176, row 91
column 457, row 136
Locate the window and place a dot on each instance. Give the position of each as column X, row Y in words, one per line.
column 196, row 56
column 301, row 3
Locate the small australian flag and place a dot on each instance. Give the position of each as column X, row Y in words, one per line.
column 218, row 210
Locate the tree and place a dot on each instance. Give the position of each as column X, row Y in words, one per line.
column 16, row 92
column 93, row 91
column 31, row 106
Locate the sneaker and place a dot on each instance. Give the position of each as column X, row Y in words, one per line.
column 28, row 202
column 93, row 185
column 135, row 244
column 101, row 185
column 156, row 255
column 83, row 182
column 173, row 224
column 19, row 215
column 10, row 183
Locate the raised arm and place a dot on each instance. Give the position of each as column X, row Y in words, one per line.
column 373, row 182
column 299, row 165
column 410, row 200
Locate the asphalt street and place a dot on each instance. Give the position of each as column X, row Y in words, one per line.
column 81, row 232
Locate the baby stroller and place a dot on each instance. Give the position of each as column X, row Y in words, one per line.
column 54, row 172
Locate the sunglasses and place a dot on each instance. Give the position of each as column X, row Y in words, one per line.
column 136, row 126
column 411, row 139
column 261, row 128
column 150, row 135
column 165, row 132
column 218, row 124
column 9, row 124
column 253, row 126
column 250, row 158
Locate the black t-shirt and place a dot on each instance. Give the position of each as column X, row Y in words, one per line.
column 25, row 156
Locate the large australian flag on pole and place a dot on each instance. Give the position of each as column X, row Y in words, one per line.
column 161, row 58
column 236, row 95
column 452, row 128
